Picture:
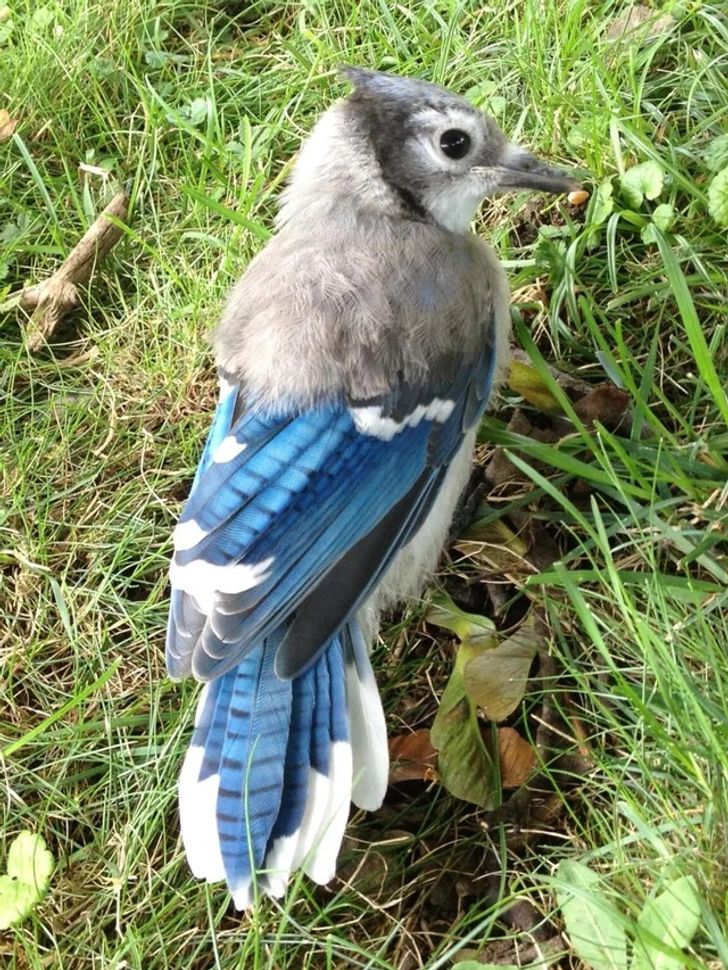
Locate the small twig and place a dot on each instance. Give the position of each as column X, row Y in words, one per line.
column 48, row 302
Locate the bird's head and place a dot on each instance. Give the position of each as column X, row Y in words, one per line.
column 437, row 150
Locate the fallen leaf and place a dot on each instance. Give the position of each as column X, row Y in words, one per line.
column 669, row 921
column 528, row 382
column 412, row 757
column 30, row 861
column 606, row 403
column 7, row 125
column 592, row 922
column 641, row 22
column 516, row 757
column 493, row 543
column 496, row 680
column 30, row 865
column 466, row 766
column 467, row 627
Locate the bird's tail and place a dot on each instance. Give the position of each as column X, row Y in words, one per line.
column 266, row 783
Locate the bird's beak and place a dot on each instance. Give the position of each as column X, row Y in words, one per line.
column 519, row 169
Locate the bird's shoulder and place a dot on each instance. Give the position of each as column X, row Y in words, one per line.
column 348, row 305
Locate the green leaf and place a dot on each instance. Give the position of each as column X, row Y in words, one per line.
column 467, row 627
column 30, row 861
column 643, row 181
column 17, row 899
column 593, row 924
column 42, row 18
column 602, row 203
column 718, row 198
column 669, row 921
column 196, row 111
column 496, row 680
column 716, row 153
column 30, row 865
column 467, row 768
column 486, row 95
column 578, row 134
column 528, row 382
column 662, row 218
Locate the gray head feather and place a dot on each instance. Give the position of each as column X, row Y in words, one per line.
column 373, row 277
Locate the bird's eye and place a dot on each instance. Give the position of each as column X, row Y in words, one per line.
column 455, row 143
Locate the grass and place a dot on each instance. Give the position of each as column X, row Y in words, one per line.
column 200, row 108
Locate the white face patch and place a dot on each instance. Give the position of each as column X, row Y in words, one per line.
column 454, row 206
column 369, row 420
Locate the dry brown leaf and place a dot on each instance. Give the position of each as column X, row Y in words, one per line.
column 642, row 22
column 7, row 125
column 606, row 403
column 494, row 544
column 516, row 757
column 412, row 757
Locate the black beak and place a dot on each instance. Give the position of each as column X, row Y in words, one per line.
column 521, row 170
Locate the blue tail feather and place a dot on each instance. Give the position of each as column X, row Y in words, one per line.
column 266, row 746
column 251, row 769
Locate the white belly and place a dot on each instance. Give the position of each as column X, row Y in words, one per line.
column 416, row 562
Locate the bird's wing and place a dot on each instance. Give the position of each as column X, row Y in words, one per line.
column 281, row 502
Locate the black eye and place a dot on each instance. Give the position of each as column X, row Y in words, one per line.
column 455, row 143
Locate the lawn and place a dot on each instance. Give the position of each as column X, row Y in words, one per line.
column 606, row 524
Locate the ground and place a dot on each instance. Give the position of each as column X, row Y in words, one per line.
column 603, row 522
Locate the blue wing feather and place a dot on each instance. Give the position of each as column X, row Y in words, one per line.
column 297, row 495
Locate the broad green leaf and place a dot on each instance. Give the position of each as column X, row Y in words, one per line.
column 30, row 865
column 17, row 899
column 486, row 94
column 578, row 134
column 196, row 111
column 602, row 203
column 662, row 218
column 668, row 922
column 593, row 924
column 42, row 18
column 527, row 382
column 644, row 181
column 718, row 198
column 30, row 861
column 497, row 680
column 467, row 627
column 716, row 153
column 467, row 768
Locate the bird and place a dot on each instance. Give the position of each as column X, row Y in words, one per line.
column 356, row 356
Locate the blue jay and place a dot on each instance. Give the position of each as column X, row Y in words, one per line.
column 356, row 356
